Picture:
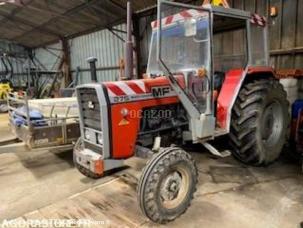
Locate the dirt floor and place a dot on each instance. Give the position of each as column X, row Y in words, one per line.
column 43, row 184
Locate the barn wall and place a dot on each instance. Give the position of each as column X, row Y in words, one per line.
column 285, row 30
column 15, row 65
column 49, row 57
column 103, row 45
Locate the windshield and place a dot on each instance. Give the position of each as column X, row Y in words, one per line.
column 185, row 46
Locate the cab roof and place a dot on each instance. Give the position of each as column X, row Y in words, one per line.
column 197, row 12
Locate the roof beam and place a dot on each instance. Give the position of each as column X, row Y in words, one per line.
column 12, row 18
column 16, row 2
column 54, row 13
column 97, row 28
column 14, row 12
column 54, row 19
column 118, row 5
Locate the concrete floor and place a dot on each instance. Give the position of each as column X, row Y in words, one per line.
column 5, row 133
column 44, row 184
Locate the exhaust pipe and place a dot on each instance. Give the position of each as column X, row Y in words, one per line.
column 93, row 71
column 129, row 67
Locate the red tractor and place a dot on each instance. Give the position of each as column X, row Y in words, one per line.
column 208, row 76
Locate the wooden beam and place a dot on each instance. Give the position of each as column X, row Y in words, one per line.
column 65, row 62
column 287, row 51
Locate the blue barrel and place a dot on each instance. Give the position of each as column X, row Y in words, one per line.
column 296, row 108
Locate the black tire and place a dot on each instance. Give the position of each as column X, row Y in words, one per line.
column 167, row 163
column 257, row 136
column 81, row 169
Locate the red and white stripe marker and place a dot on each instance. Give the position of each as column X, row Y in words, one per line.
column 179, row 16
column 257, row 19
column 122, row 88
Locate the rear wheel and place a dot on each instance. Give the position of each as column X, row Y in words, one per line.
column 259, row 125
column 167, row 185
column 81, row 169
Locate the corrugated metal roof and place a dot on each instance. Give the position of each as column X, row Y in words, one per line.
column 35, row 23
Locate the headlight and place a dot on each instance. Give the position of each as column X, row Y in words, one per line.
column 87, row 134
column 99, row 139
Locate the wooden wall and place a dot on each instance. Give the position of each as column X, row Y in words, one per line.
column 285, row 30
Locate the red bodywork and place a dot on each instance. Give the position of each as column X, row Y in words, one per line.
column 126, row 128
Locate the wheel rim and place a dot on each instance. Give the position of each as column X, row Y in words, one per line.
column 174, row 188
column 272, row 124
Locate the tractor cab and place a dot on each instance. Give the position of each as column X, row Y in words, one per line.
column 185, row 46
column 205, row 45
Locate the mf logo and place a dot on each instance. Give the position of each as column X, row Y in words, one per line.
column 160, row 91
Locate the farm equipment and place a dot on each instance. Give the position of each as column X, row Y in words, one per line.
column 44, row 122
column 299, row 136
column 5, row 88
column 296, row 136
column 194, row 93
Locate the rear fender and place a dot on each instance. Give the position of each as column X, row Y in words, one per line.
column 233, row 82
column 254, row 73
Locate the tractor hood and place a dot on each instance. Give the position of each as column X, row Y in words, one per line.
column 136, row 90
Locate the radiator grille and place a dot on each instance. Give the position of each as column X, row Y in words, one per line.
column 90, row 107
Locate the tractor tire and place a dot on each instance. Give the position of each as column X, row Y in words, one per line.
column 86, row 172
column 259, row 122
column 167, row 185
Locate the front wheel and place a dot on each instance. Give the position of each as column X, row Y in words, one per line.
column 167, row 185
column 259, row 124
